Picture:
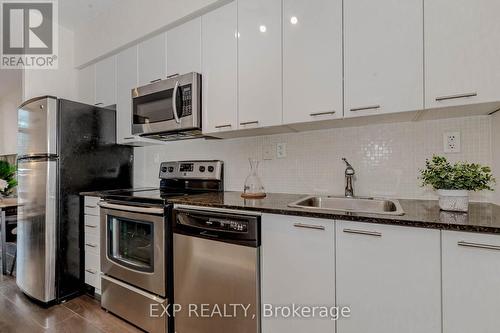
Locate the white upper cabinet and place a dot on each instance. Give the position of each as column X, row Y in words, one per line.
column 86, row 85
column 259, row 63
column 105, row 82
column 462, row 53
column 184, row 48
column 152, row 60
column 312, row 60
column 126, row 64
column 384, row 56
column 390, row 276
column 220, row 69
column 471, row 292
column 298, row 267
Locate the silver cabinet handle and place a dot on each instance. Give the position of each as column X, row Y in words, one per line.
column 129, row 138
column 90, row 226
column 155, row 80
column 88, row 206
column 371, row 107
column 446, row 98
column 223, row 126
column 97, row 104
column 172, row 75
column 363, row 232
column 309, row 226
column 134, row 209
column 90, row 245
column 479, row 245
column 174, row 103
column 249, row 122
column 91, row 271
column 322, row 113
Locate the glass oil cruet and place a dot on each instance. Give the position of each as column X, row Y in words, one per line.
column 253, row 188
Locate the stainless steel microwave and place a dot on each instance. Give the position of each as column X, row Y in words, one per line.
column 168, row 109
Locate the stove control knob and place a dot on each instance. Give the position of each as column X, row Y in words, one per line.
column 210, row 169
column 163, row 169
column 170, row 169
column 202, row 168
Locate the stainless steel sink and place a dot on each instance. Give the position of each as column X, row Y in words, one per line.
column 353, row 205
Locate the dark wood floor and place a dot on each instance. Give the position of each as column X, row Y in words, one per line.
column 80, row 315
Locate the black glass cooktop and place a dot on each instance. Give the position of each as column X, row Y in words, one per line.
column 142, row 195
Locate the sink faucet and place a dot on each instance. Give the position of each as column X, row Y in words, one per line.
column 349, row 175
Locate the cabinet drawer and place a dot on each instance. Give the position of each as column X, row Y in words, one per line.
column 93, row 278
column 91, row 224
column 92, row 270
column 91, row 243
column 91, row 207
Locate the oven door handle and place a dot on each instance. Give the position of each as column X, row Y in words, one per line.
column 174, row 102
column 134, row 209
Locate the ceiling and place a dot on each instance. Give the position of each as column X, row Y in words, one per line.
column 73, row 13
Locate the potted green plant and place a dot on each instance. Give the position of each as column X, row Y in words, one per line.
column 7, row 178
column 453, row 182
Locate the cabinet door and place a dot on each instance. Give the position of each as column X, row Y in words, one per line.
column 383, row 56
column 312, row 60
column 105, row 82
column 86, row 85
column 390, row 277
column 220, row 69
column 184, row 48
column 298, row 267
column 471, row 293
column 259, row 55
column 126, row 64
column 152, row 60
column 462, row 53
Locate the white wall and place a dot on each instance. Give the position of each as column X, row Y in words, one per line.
column 10, row 99
column 130, row 21
column 61, row 82
column 495, row 152
column 386, row 157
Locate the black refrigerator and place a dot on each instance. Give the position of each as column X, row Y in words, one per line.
column 64, row 148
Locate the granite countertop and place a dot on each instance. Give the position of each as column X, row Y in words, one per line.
column 8, row 202
column 482, row 217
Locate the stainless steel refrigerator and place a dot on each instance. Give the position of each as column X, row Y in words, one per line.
column 64, row 148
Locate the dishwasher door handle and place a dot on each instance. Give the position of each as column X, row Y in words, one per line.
column 207, row 234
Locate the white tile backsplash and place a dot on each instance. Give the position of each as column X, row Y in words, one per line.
column 386, row 157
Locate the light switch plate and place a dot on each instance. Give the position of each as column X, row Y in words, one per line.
column 268, row 152
column 452, row 142
column 281, row 150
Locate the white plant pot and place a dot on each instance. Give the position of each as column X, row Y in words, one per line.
column 454, row 200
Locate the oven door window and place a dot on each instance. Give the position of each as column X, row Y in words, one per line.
column 156, row 107
column 131, row 243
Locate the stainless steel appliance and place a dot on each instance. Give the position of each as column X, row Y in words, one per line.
column 64, row 148
column 216, row 262
column 136, row 241
column 168, row 109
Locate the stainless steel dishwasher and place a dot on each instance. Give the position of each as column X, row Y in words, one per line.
column 216, row 271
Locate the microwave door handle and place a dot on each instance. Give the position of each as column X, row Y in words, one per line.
column 174, row 102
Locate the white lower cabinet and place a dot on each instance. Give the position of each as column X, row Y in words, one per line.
column 298, row 267
column 471, row 282
column 92, row 265
column 390, row 278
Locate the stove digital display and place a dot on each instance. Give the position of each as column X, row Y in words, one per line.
column 186, row 167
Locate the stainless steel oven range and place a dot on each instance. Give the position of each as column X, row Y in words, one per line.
column 136, row 242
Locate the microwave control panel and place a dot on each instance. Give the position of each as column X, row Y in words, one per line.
column 187, row 100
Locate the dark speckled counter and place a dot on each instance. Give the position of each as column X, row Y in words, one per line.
column 482, row 217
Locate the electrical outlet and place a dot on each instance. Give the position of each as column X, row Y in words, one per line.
column 281, row 150
column 268, row 152
column 452, row 142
